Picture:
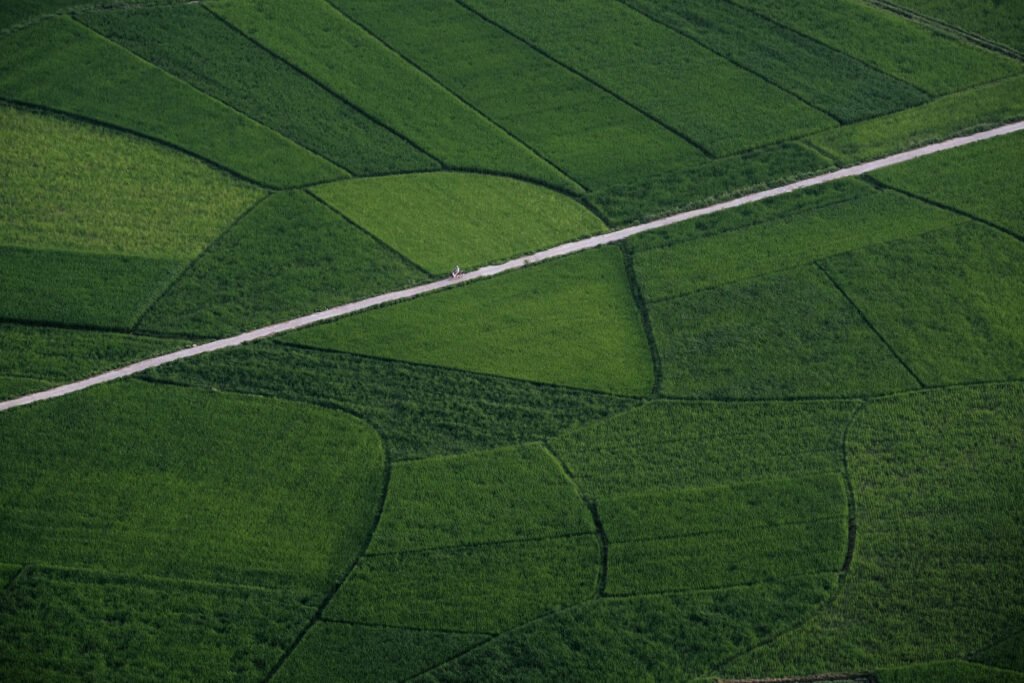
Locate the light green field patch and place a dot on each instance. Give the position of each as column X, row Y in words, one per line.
column 161, row 480
column 62, row 65
column 571, row 322
column 76, row 187
column 784, row 243
column 483, row 589
column 948, row 302
column 439, row 220
column 508, row 494
column 787, row 335
column 347, row 653
column 983, row 180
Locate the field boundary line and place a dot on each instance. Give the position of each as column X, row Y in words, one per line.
column 953, row 210
column 331, row 91
column 423, row 72
column 778, row 86
column 484, row 272
column 867, row 321
column 579, row 74
column 640, row 302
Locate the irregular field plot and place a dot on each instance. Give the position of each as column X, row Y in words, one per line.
column 77, row 187
column 418, row 410
column 370, row 654
column 290, row 255
column 487, row 588
column 551, row 323
column 159, row 480
column 503, row 495
column 948, row 302
column 711, row 101
column 784, row 243
column 840, row 85
column 668, row 444
column 659, row 637
column 62, row 65
column 735, row 557
column 439, row 220
column 983, row 180
column 932, row 61
column 957, row 114
column 88, row 290
column 321, row 41
column 128, row 628
column 792, row 334
column 62, row 354
column 194, row 45
column 937, row 477
column 994, row 19
column 584, row 131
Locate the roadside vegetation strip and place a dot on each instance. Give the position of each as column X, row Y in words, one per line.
column 948, row 302
column 327, row 46
column 520, row 262
column 509, row 494
column 832, row 81
column 196, row 46
column 604, row 49
column 437, row 220
column 288, row 255
column 73, row 186
column 62, row 65
column 950, row 671
column 589, row 134
column 273, row 493
column 549, row 324
column 787, row 335
column 938, row 535
column 371, row 654
column 934, row 62
column 142, row 628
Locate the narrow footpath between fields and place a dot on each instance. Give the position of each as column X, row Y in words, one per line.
column 514, row 264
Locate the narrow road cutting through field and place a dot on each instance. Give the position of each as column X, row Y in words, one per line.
column 514, row 264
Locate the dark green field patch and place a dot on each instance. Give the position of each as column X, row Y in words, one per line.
column 948, row 302
column 321, row 41
column 734, row 557
column 12, row 387
column 957, row 114
column 66, row 185
column 504, row 495
column 721, row 107
column 418, row 410
column 53, row 353
column 983, row 180
column 937, row 477
column 68, row 625
column 62, row 65
column 367, row 654
column 662, row 637
column 842, row 86
column 934, row 62
column 669, row 513
column 194, row 45
column 86, row 290
column 784, row 243
column 584, row 131
column 948, row 672
column 160, row 480
column 289, row 256
column 439, row 220
column 551, row 323
column 653, row 195
column 788, row 335
column 1007, row 652
column 668, row 444
column 483, row 589
column 998, row 20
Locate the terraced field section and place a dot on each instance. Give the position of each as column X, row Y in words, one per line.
column 777, row 441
